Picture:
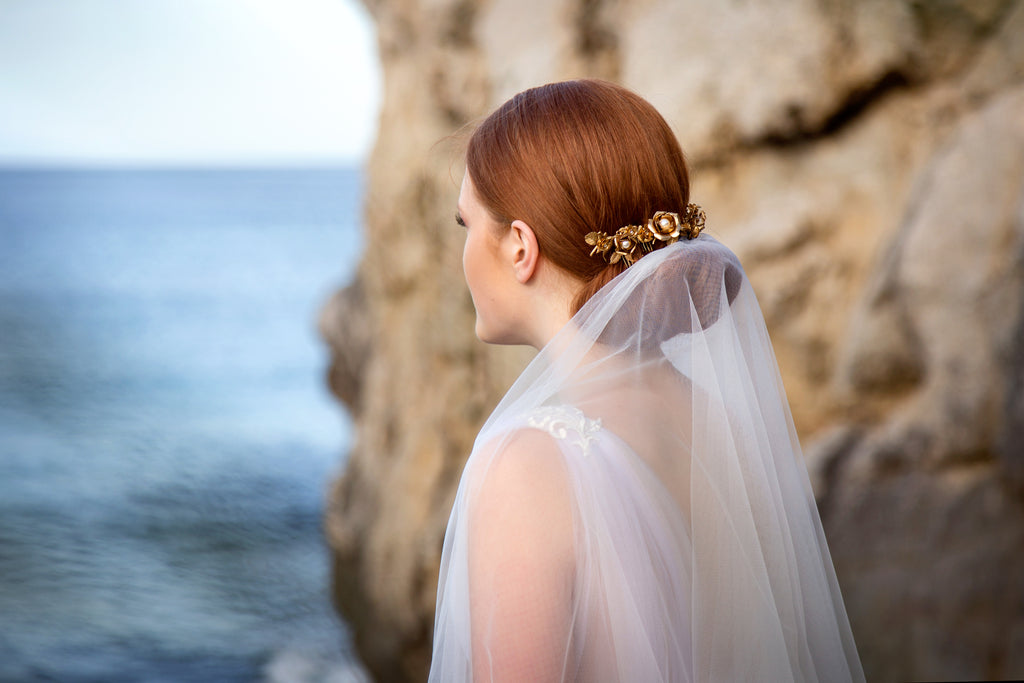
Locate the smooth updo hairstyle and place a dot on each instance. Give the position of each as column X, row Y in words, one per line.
column 574, row 157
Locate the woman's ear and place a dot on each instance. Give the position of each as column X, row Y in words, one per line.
column 524, row 251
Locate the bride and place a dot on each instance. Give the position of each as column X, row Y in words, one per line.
column 636, row 508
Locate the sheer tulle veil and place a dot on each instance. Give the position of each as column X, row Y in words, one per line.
column 637, row 507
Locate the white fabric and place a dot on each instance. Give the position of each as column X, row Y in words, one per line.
column 637, row 507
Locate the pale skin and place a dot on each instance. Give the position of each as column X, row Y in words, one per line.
column 521, row 549
column 519, row 295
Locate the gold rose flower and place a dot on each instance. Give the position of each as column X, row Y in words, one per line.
column 664, row 226
column 695, row 218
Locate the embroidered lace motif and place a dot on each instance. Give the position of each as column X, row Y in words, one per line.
column 566, row 422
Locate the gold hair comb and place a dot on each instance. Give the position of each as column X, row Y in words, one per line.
column 664, row 226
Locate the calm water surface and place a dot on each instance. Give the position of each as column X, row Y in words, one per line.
column 165, row 435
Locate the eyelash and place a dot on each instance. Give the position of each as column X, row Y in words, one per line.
column 458, row 219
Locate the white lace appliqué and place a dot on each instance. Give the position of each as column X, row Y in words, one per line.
column 566, row 422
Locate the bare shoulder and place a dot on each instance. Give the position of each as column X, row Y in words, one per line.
column 526, row 463
column 521, row 559
column 522, row 489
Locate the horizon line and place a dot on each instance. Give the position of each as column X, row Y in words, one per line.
column 39, row 164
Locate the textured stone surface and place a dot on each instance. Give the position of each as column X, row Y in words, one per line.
column 925, row 512
column 866, row 161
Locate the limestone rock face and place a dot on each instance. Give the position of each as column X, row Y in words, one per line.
column 864, row 158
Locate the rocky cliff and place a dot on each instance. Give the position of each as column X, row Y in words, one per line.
column 865, row 159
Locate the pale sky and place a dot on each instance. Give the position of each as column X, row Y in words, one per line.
column 186, row 81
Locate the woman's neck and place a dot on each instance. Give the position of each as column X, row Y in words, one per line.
column 551, row 304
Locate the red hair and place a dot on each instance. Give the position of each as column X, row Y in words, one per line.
column 574, row 157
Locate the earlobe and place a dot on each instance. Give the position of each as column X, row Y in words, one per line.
column 525, row 250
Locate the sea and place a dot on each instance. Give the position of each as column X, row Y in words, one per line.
column 166, row 434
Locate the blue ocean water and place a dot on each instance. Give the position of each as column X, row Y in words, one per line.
column 166, row 437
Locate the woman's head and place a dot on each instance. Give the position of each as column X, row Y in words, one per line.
column 575, row 157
